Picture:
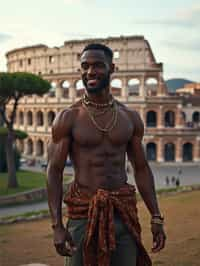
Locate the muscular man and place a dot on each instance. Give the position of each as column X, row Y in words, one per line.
column 97, row 133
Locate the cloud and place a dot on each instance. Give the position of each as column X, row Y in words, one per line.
column 5, row 37
column 192, row 45
column 74, row 2
column 183, row 18
column 78, row 35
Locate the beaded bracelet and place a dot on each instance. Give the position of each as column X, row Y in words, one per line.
column 157, row 219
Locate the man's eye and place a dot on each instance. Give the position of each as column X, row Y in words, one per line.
column 84, row 66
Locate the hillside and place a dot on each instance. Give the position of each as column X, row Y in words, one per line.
column 176, row 83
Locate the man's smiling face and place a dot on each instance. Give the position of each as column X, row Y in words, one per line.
column 95, row 70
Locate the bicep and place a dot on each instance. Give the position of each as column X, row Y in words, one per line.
column 136, row 153
column 57, row 153
column 135, row 149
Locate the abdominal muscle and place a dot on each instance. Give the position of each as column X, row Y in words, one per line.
column 106, row 172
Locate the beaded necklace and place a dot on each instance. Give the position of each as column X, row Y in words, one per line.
column 97, row 105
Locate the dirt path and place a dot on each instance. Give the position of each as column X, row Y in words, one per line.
column 31, row 242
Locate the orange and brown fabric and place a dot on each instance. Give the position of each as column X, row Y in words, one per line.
column 99, row 209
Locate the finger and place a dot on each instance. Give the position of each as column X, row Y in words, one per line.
column 63, row 250
column 70, row 242
column 159, row 243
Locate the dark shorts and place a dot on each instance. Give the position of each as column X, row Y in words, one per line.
column 126, row 250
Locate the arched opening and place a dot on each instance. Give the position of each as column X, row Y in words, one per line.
column 51, row 92
column 29, row 118
column 80, row 88
column 187, row 152
column 169, row 152
column 65, row 85
column 196, row 118
column 151, row 85
column 151, row 119
column 116, row 86
column 169, row 119
column 51, row 116
column 29, row 147
column 40, row 118
column 39, row 148
column 151, row 151
column 21, row 118
column 133, row 87
column 21, row 145
column 53, row 85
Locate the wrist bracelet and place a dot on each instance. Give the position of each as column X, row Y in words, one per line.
column 157, row 219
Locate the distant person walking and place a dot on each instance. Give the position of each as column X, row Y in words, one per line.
column 177, row 182
column 173, row 180
column 167, row 181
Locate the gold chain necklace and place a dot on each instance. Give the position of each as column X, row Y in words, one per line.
column 110, row 125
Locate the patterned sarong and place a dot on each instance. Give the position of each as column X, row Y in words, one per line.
column 99, row 239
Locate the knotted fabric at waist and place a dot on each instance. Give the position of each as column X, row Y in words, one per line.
column 99, row 209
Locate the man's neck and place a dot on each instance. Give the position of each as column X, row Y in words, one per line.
column 102, row 97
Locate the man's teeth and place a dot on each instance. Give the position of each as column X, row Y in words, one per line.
column 91, row 81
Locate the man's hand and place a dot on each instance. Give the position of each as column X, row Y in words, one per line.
column 63, row 242
column 159, row 237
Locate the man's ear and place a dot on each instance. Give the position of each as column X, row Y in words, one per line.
column 112, row 68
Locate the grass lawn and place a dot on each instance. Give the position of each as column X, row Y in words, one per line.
column 27, row 180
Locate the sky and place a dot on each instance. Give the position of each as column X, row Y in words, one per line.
column 171, row 27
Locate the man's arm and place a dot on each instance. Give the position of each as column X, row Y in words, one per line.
column 144, row 179
column 58, row 150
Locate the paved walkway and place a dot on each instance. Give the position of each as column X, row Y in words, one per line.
column 188, row 174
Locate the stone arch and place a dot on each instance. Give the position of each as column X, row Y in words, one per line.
column 29, row 118
column 151, row 119
column 80, row 88
column 29, row 146
column 188, row 152
column 21, row 145
column 65, row 85
column 116, row 87
column 151, row 151
column 51, row 92
column 39, row 148
column 133, row 87
column 21, row 118
column 53, row 85
column 169, row 152
column 169, row 119
column 40, row 118
column 151, row 85
column 51, row 115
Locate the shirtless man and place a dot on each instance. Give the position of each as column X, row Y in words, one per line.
column 97, row 133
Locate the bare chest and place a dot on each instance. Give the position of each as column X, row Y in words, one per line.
column 87, row 132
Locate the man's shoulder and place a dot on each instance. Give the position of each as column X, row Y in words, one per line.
column 64, row 120
column 69, row 113
column 135, row 119
column 133, row 114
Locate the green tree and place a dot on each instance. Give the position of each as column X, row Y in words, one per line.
column 14, row 86
column 3, row 134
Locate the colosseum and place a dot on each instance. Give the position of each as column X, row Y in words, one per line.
column 171, row 122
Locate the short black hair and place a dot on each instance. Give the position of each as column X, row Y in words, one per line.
column 98, row 46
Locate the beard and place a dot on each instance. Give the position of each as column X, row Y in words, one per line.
column 104, row 83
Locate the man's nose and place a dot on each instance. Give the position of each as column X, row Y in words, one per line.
column 91, row 70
